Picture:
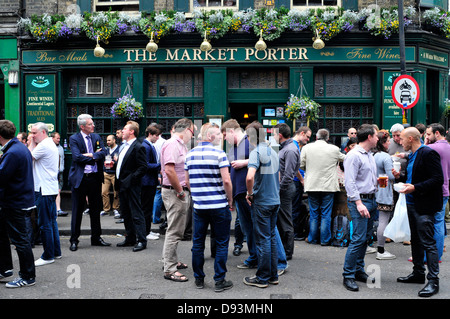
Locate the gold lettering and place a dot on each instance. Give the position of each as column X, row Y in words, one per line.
column 358, row 54
column 140, row 54
column 248, row 53
column 171, row 56
column 302, row 53
column 282, row 53
column 197, row 55
column 272, row 54
column 259, row 58
column 186, row 55
column 208, row 54
column 232, row 54
column 292, row 53
column 43, row 57
column 128, row 52
column 222, row 56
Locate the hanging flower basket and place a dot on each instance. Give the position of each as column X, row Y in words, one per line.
column 302, row 108
column 127, row 107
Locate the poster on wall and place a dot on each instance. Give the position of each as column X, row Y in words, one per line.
column 40, row 100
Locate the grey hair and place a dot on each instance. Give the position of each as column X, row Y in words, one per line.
column 397, row 128
column 81, row 120
column 41, row 126
column 323, row 134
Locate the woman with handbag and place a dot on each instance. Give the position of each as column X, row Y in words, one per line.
column 384, row 195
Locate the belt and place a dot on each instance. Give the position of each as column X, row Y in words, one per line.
column 89, row 174
column 170, row 187
column 367, row 196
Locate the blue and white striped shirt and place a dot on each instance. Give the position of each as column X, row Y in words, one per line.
column 203, row 163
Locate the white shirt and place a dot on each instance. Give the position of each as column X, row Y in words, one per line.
column 123, row 152
column 45, row 167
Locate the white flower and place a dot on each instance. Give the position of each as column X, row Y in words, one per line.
column 198, row 14
column 216, row 18
column 160, row 18
column 180, row 17
column 74, row 20
column 24, row 23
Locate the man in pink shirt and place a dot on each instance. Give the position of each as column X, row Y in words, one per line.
column 175, row 195
column 435, row 138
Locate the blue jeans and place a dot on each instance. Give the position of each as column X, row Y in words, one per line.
column 157, row 205
column 244, row 211
column 354, row 258
column 264, row 223
column 220, row 220
column 439, row 228
column 46, row 209
column 320, row 209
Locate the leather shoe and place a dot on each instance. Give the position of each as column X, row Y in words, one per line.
column 100, row 242
column 431, row 288
column 140, row 246
column 73, row 246
column 412, row 278
column 126, row 243
column 350, row 284
column 362, row 277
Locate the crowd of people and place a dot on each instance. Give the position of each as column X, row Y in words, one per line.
column 200, row 179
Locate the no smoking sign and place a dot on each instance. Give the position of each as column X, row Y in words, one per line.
column 405, row 92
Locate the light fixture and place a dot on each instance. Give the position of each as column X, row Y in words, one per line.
column 151, row 46
column 99, row 51
column 260, row 45
column 318, row 44
column 246, row 116
column 205, row 46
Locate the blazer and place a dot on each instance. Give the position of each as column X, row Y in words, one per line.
column 16, row 176
column 133, row 167
column 427, row 178
column 79, row 161
column 319, row 160
column 153, row 167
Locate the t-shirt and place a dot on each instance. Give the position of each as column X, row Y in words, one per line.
column 174, row 152
column 266, row 188
column 45, row 167
column 203, row 163
column 240, row 151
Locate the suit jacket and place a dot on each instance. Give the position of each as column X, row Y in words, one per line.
column 153, row 167
column 79, row 161
column 427, row 178
column 133, row 167
column 319, row 160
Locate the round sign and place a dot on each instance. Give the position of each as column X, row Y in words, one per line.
column 405, row 92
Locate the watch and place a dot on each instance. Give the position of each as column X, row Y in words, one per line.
column 180, row 194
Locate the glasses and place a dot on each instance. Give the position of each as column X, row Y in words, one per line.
column 190, row 130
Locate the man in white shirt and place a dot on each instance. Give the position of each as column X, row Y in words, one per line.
column 45, row 173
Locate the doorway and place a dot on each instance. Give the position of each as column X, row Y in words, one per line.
column 244, row 113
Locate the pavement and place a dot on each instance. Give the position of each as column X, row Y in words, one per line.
column 315, row 272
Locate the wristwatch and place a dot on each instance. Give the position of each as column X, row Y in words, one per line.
column 180, row 194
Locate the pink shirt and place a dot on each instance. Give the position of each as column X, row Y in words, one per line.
column 174, row 152
column 443, row 148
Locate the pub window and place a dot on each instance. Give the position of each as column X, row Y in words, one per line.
column 117, row 5
column 167, row 85
column 214, row 4
column 316, row 3
column 94, row 85
column 258, row 79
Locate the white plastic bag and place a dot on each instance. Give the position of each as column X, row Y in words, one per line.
column 398, row 228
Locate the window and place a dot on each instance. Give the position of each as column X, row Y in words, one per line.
column 94, row 85
column 316, row 3
column 214, row 4
column 116, row 5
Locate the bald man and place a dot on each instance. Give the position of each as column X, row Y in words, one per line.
column 423, row 189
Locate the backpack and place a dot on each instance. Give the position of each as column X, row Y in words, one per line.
column 341, row 232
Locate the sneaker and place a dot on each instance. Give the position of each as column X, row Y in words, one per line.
column 62, row 213
column 199, row 283
column 116, row 212
column 254, row 281
column 20, row 282
column 7, row 273
column 245, row 266
column 103, row 213
column 86, row 211
column 274, row 281
column 371, row 250
column 42, row 262
column 223, row 285
column 385, row 256
column 152, row 236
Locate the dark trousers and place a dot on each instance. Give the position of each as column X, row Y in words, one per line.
column 147, row 199
column 299, row 212
column 132, row 214
column 423, row 243
column 91, row 188
column 13, row 230
column 285, row 223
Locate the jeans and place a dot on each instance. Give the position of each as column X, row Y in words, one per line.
column 46, row 208
column 220, row 220
column 157, row 206
column 320, row 209
column 13, row 230
column 439, row 228
column 264, row 223
column 354, row 258
column 423, row 243
column 244, row 211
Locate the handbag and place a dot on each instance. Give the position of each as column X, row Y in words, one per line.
column 398, row 228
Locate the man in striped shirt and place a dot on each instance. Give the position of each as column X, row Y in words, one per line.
column 207, row 174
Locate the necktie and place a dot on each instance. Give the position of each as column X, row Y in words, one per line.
column 91, row 150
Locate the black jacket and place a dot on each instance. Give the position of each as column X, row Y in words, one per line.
column 427, row 178
column 132, row 168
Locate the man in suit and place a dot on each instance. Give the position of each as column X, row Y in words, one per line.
column 150, row 179
column 85, row 178
column 131, row 166
column 423, row 189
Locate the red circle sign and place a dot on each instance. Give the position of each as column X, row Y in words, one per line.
column 405, row 92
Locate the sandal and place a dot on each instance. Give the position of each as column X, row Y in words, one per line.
column 176, row 276
column 180, row 265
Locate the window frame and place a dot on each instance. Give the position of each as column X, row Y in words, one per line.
column 307, row 7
